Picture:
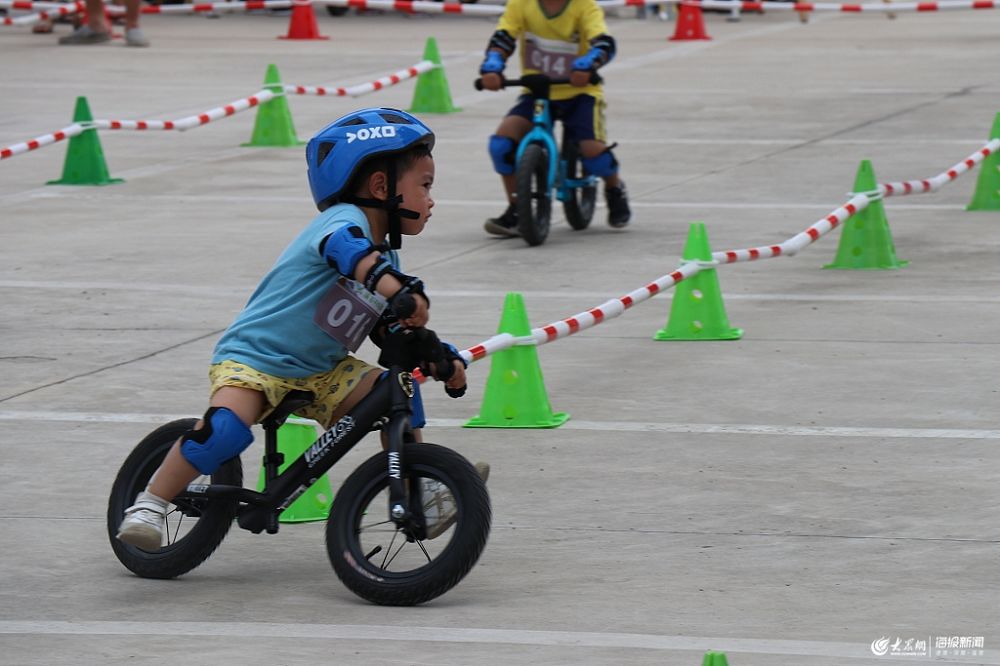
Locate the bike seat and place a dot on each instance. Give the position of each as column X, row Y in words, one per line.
column 293, row 400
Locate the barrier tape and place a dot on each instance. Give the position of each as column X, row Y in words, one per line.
column 197, row 120
column 364, row 88
column 416, row 6
column 617, row 306
column 842, row 7
column 428, row 7
column 40, row 141
column 58, row 10
column 50, row 10
column 31, row 5
column 202, row 7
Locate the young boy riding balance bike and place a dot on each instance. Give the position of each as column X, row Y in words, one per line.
column 563, row 39
column 371, row 174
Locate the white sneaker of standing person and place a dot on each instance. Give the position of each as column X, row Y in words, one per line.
column 143, row 523
column 439, row 504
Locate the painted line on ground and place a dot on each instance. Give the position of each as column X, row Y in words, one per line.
column 227, row 292
column 574, row 424
column 567, row 639
column 892, row 204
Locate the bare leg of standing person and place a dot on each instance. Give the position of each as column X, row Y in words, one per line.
column 94, row 32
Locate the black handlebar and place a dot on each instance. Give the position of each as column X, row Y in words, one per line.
column 537, row 83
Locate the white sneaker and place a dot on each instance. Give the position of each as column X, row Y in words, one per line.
column 143, row 523
column 135, row 37
column 439, row 504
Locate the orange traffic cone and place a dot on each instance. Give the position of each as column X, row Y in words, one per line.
column 303, row 22
column 690, row 24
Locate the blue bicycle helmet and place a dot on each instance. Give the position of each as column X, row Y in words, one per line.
column 337, row 152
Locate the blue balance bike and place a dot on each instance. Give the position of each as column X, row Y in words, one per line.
column 542, row 167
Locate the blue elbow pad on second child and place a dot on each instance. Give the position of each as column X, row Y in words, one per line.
column 493, row 64
column 587, row 62
column 602, row 51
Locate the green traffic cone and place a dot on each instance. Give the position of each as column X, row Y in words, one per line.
column 432, row 94
column 273, row 127
column 84, row 163
column 987, row 194
column 314, row 503
column 515, row 391
column 714, row 659
column 866, row 242
column 697, row 312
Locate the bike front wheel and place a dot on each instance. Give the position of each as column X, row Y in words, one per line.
column 394, row 566
column 194, row 528
column 534, row 205
column 579, row 207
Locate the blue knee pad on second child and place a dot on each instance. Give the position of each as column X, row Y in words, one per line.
column 603, row 165
column 502, row 154
column 222, row 436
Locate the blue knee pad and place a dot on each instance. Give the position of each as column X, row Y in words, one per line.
column 603, row 165
column 222, row 436
column 502, row 154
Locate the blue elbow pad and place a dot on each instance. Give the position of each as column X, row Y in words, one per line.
column 493, row 64
column 221, row 436
column 344, row 248
column 602, row 50
column 587, row 62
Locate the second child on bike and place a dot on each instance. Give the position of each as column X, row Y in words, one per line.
column 371, row 174
column 563, row 39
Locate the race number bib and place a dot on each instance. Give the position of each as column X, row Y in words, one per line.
column 549, row 56
column 348, row 312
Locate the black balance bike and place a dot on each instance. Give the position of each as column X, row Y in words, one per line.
column 542, row 167
column 376, row 534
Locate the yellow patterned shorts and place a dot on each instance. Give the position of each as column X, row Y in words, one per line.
column 330, row 387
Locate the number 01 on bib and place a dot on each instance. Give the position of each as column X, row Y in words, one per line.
column 348, row 312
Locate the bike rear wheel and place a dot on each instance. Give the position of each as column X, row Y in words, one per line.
column 194, row 529
column 534, row 205
column 579, row 207
column 386, row 565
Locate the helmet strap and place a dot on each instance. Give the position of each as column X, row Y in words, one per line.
column 391, row 206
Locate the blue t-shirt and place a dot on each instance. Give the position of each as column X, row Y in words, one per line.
column 275, row 333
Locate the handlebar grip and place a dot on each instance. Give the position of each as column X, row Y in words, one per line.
column 595, row 78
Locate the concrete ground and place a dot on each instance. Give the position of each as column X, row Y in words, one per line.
column 827, row 481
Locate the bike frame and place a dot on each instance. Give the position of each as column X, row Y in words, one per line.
column 543, row 132
column 386, row 407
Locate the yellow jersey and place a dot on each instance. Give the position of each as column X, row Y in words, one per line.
column 550, row 44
